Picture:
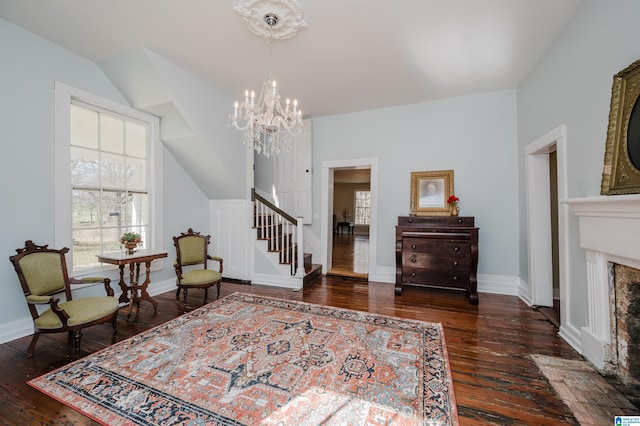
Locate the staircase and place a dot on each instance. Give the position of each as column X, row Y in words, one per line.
column 283, row 236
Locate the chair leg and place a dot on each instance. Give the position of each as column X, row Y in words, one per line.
column 32, row 345
column 206, row 293
column 184, row 296
column 77, row 336
column 218, row 296
column 114, row 323
column 178, row 293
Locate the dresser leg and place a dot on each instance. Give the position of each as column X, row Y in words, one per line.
column 398, row 289
column 473, row 298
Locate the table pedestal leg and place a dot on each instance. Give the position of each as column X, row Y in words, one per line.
column 144, row 295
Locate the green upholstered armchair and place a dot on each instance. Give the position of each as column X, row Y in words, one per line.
column 43, row 274
column 191, row 253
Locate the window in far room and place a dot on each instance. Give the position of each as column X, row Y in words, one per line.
column 363, row 207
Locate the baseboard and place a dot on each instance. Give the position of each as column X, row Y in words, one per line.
column 277, row 281
column 524, row 293
column 383, row 274
column 16, row 329
column 572, row 336
column 498, row 284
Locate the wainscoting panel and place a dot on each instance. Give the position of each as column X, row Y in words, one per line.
column 230, row 226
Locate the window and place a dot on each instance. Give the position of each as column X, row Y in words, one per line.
column 363, row 208
column 107, row 180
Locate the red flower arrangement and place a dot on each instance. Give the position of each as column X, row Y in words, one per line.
column 453, row 200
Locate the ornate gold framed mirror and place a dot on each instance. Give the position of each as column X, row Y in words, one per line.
column 621, row 172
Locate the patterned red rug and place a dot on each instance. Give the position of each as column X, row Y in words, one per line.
column 252, row 360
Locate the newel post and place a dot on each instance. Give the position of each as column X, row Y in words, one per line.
column 300, row 269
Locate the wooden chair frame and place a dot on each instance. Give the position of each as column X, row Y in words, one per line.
column 74, row 331
column 179, row 264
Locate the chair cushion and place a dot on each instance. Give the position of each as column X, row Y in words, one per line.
column 199, row 277
column 193, row 249
column 81, row 311
column 43, row 273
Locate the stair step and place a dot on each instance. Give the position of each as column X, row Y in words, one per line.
column 313, row 274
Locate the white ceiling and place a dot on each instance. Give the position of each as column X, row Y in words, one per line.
column 355, row 55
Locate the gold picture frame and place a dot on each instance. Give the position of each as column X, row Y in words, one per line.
column 430, row 192
column 621, row 171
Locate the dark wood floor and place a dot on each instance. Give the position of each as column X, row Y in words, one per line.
column 495, row 380
column 350, row 255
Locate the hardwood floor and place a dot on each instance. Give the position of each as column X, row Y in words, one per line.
column 350, row 256
column 496, row 382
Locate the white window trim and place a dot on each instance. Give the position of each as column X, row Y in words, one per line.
column 63, row 94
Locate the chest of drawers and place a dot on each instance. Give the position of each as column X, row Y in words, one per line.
column 437, row 251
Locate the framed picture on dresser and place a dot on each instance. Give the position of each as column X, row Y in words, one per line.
column 430, row 191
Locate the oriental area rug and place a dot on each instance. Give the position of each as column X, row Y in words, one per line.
column 249, row 360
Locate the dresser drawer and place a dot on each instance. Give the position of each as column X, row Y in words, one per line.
column 435, row 247
column 439, row 221
column 438, row 262
column 435, row 277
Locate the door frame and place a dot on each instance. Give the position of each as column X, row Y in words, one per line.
column 326, row 209
column 539, row 242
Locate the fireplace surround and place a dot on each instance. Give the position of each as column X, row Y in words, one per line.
column 610, row 236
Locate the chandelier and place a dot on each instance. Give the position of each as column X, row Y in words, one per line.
column 268, row 126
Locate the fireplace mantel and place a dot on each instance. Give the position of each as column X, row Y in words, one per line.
column 609, row 230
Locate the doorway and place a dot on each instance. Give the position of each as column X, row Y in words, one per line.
column 547, row 222
column 351, row 221
column 329, row 169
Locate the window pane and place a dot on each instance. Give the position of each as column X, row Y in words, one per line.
column 363, row 207
column 136, row 174
column 111, row 134
column 113, row 171
column 84, row 167
column 114, row 209
column 86, row 244
column 111, row 239
column 137, row 207
column 136, row 140
column 84, row 127
column 86, row 209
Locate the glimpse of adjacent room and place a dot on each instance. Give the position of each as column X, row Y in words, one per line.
column 351, row 220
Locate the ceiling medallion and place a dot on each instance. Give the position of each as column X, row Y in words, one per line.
column 286, row 14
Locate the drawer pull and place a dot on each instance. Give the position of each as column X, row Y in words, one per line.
column 410, row 220
column 459, row 220
column 455, row 263
column 413, row 246
column 455, row 278
column 413, row 259
column 413, row 274
column 456, row 249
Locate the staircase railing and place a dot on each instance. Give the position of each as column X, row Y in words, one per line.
column 282, row 231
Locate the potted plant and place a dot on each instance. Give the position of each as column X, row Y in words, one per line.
column 130, row 240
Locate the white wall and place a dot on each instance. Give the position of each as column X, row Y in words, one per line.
column 474, row 135
column 30, row 65
column 572, row 85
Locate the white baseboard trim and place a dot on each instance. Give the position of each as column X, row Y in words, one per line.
column 572, row 336
column 277, row 281
column 524, row 293
column 498, row 284
column 16, row 329
column 383, row 274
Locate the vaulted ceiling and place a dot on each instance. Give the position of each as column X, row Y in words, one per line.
column 354, row 55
